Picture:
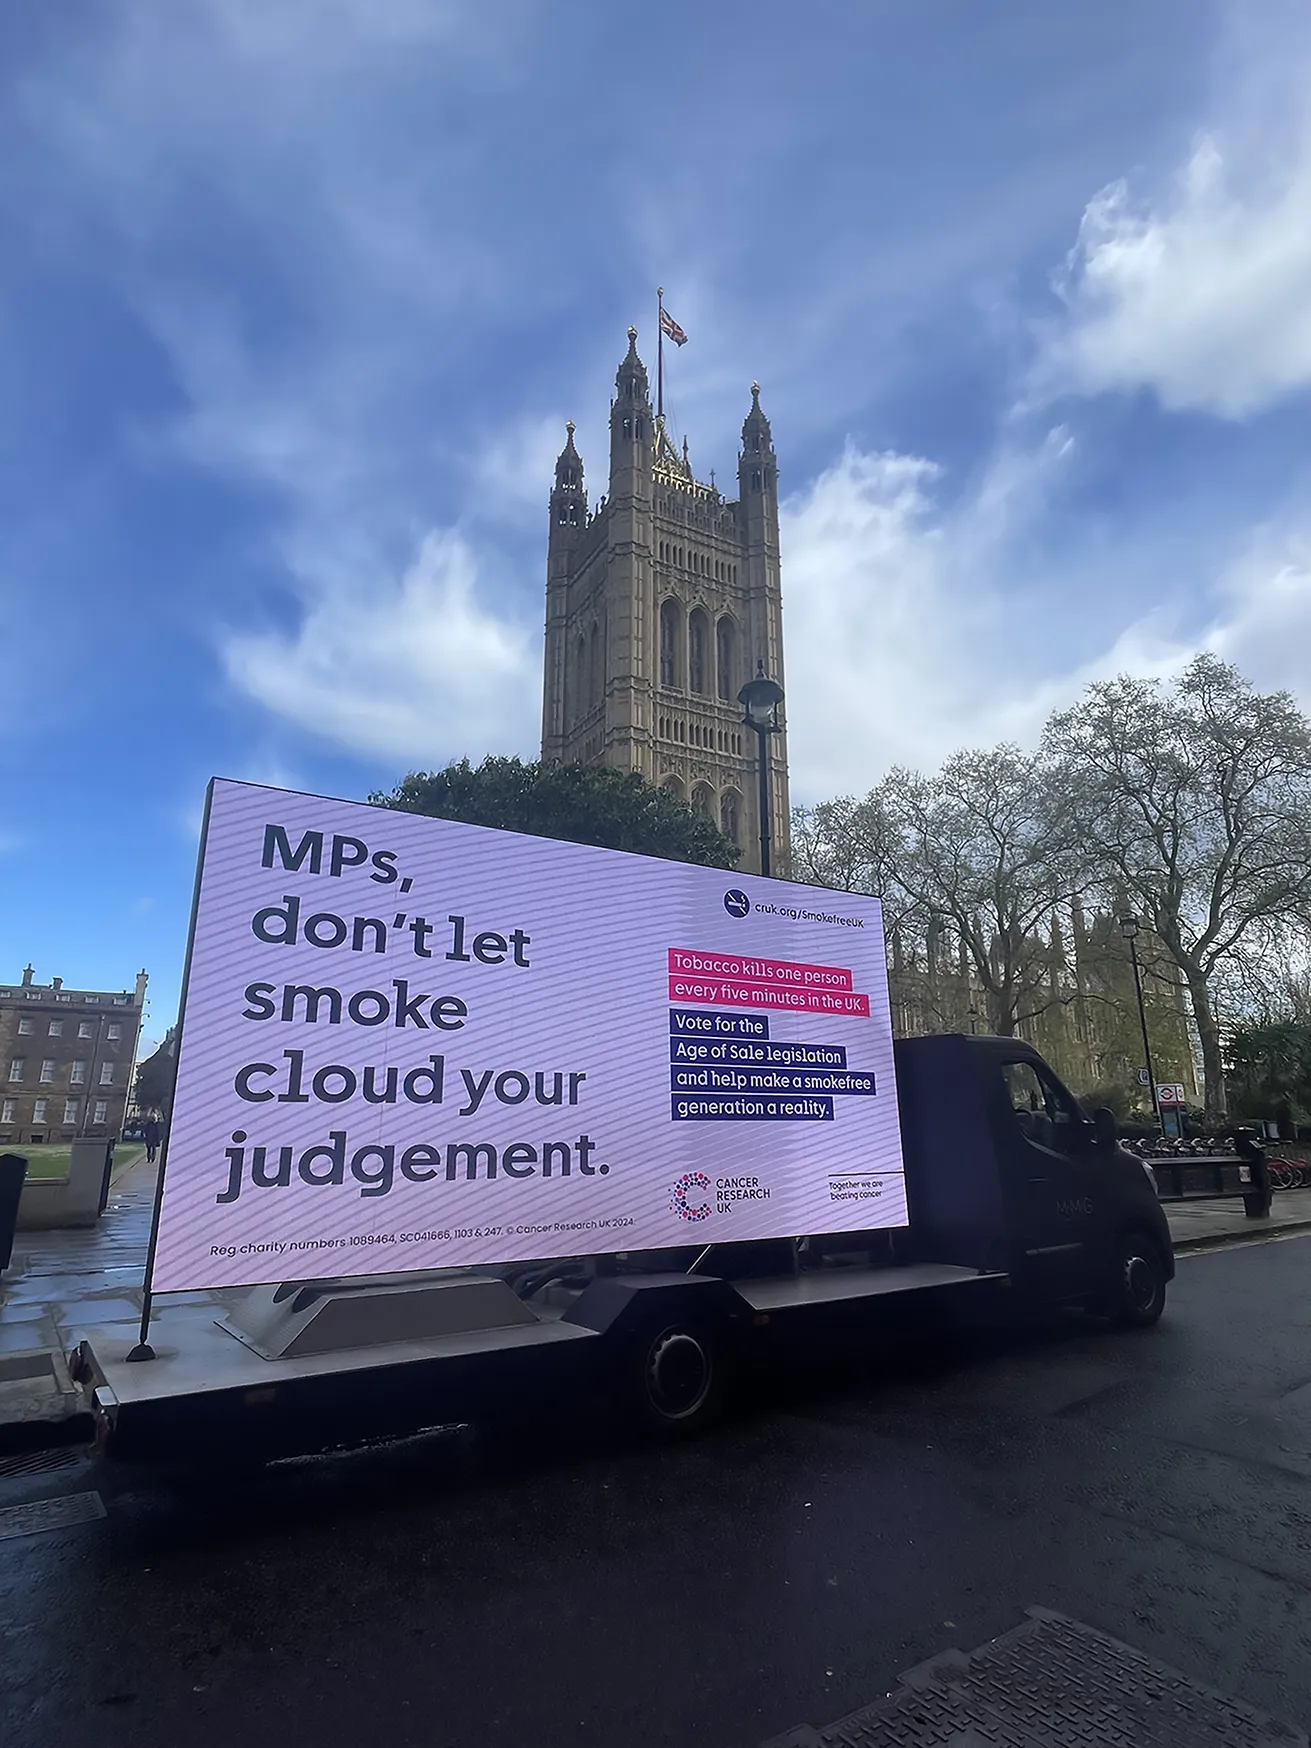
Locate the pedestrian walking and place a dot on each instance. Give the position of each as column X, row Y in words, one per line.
column 154, row 1132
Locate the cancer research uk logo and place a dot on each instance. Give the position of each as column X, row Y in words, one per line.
column 736, row 903
column 679, row 1196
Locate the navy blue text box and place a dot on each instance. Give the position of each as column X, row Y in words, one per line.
column 749, row 1108
column 754, row 1053
column 718, row 1077
column 712, row 1023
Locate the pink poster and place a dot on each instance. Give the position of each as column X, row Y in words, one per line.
column 411, row 1044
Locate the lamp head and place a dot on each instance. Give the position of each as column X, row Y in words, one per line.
column 760, row 699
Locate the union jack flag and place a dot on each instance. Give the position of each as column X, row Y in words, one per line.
column 671, row 329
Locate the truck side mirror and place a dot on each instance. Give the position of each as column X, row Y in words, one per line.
column 1106, row 1131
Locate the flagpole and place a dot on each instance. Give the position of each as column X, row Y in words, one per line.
column 660, row 353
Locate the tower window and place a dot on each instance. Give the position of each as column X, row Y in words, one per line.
column 755, row 478
column 725, row 660
column 628, row 432
column 698, row 640
column 669, row 630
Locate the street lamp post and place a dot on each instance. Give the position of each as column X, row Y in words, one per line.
column 1129, row 927
column 760, row 699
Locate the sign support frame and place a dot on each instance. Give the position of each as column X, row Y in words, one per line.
column 143, row 1350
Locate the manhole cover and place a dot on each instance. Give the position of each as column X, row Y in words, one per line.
column 1050, row 1683
column 40, row 1462
column 50, row 1514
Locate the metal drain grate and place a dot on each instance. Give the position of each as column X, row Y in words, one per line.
column 1054, row 1682
column 50, row 1514
column 41, row 1462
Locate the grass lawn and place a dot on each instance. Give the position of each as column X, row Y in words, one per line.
column 50, row 1160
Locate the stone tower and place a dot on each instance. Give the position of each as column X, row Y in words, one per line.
column 660, row 603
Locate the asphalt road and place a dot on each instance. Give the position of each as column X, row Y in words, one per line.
column 785, row 1569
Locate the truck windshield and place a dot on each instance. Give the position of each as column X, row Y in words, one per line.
column 1042, row 1110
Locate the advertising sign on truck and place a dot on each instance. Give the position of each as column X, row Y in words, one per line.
column 409, row 1044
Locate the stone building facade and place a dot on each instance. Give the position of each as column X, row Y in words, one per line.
column 66, row 1059
column 1087, row 1023
column 661, row 601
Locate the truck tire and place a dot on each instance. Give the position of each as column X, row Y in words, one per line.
column 1135, row 1297
column 673, row 1377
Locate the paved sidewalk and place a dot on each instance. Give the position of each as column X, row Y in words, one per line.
column 1198, row 1225
column 58, row 1283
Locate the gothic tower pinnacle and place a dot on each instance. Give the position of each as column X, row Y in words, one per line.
column 660, row 603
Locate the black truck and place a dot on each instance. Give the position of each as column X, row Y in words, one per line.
column 1015, row 1197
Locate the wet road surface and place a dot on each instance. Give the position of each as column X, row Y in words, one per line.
column 547, row 1591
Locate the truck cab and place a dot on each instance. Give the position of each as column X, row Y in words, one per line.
column 1005, row 1170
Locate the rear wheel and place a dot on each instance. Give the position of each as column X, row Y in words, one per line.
column 674, row 1373
column 1136, row 1293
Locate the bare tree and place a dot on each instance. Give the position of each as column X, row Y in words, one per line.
column 984, row 845
column 1194, row 804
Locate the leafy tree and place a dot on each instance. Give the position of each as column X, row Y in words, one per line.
column 582, row 803
column 155, row 1077
column 1193, row 804
column 1270, row 1069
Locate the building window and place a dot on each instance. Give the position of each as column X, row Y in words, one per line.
column 7, row 1111
column 669, row 643
column 101, row 1111
column 114, row 1031
column 16, row 1067
column 674, row 786
column 26, row 1026
column 39, row 1110
column 77, row 1074
column 47, row 1070
column 729, row 818
column 594, row 677
column 70, row 1111
column 106, row 1074
column 703, row 800
column 725, row 660
column 755, row 479
column 698, row 639
column 84, row 1028
column 56, row 1028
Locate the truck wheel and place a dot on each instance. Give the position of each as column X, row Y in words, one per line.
column 675, row 1378
column 1136, row 1297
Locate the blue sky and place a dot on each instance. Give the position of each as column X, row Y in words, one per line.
column 295, row 299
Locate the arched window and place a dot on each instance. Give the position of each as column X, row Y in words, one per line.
column 725, row 660
column 670, row 625
column 703, row 799
column 595, row 679
column 674, row 786
column 730, row 815
column 698, row 652
column 580, row 679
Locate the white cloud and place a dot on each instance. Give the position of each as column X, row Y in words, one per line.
column 418, row 671
column 1203, row 297
column 1264, row 621
column 913, row 627
column 900, row 643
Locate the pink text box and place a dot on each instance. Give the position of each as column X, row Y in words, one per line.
column 790, row 973
column 722, row 992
